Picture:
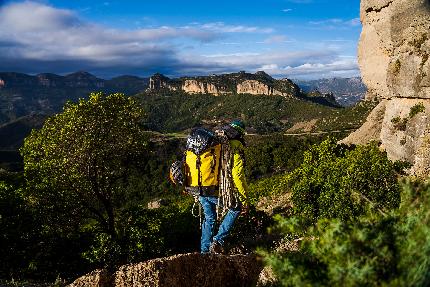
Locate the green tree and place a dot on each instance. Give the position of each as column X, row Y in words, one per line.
column 78, row 164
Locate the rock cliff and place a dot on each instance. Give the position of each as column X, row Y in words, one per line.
column 184, row 270
column 393, row 55
column 200, row 87
column 254, row 87
column 259, row 83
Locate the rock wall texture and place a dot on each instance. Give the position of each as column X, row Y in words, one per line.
column 198, row 87
column 393, row 55
column 180, row 270
column 254, row 87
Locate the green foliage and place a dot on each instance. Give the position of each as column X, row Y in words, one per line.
column 375, row 250
column 346, row 118
column 336, row 253
column 16, row 230
column 80, row 160
column 337, row 182
column 177, row 111
column 416, row 109
column 413, row 235
column 273, row 185
column 399, row 123
column 267, row 155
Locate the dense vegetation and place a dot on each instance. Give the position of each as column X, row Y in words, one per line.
column 350, row 222
column 376, row 249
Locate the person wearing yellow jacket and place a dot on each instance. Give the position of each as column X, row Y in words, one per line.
column 214, row 244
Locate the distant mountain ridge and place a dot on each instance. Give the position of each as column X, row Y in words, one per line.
column 22, row 95
column 347, row 91
column 81, row 79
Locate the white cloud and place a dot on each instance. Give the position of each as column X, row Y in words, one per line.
column 287, row 10
column 303, row 64
column 221, row 27
column 336, row 23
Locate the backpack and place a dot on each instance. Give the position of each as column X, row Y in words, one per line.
column 206, row 166
column 202, row 163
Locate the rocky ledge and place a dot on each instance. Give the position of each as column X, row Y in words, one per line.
column 183, row 270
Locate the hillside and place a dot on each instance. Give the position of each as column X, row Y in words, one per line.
column 22, row 95
column 178, row 111
column 347, row 91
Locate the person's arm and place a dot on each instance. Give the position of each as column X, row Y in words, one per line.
column 238, row 172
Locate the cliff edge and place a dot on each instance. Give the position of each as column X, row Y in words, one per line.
column 393, row 55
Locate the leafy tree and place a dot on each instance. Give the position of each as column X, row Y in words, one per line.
column 78, row 164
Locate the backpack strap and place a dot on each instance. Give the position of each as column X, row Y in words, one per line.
column 199, row 173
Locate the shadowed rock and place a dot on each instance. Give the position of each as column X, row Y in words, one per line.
column 180, row 270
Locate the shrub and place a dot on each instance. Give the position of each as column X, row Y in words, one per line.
column 374, row 250
column 399, row 123
column 335, row 181
column 416, row 109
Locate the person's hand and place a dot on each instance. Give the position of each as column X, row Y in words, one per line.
column 245, row 209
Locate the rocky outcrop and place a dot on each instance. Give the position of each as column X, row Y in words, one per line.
column 200, row 87
column 2, row 83
column 158, row 82
column 394, row 61
column 254, row 87
column 192, row 269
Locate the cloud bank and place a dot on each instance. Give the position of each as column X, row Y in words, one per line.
column 36, row 37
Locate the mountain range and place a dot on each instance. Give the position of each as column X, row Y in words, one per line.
column 347, row 91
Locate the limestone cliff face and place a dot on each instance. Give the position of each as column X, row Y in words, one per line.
column 394, row 48
column 393, row 55
column 200, row 87
column 255, row 87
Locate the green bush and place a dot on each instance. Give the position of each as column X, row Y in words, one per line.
column 376, row 249
column 335, row 181
column 416, row 109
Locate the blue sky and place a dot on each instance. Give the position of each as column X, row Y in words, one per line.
column 286, row 38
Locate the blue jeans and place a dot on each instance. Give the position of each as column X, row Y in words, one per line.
column 209, row 209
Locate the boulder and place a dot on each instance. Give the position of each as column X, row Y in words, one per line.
column 183, row 270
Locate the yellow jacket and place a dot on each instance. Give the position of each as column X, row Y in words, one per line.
column 238, row 169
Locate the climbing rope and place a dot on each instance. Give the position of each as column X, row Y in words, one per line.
column 228, row 197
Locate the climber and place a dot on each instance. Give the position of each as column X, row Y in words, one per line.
column 212, row 171
column 233, row 203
